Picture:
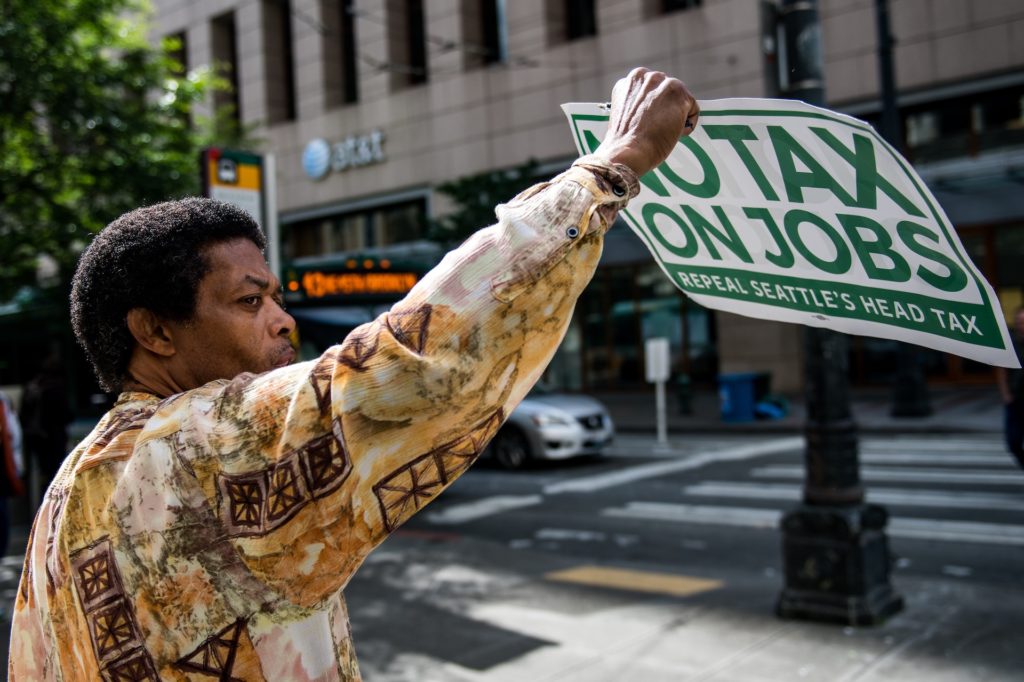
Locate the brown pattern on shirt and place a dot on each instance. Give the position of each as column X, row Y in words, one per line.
column 407, row 489
column 114, row 631
column 256, row 503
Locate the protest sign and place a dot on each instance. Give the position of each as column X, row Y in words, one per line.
column 784, row 211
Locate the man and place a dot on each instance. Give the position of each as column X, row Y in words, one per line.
column 1011, row 388
column 209, row 523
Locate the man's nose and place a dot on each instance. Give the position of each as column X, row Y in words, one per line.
column 284, row 323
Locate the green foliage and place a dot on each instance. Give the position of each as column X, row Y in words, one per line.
column 475, row 197
column 94, row 121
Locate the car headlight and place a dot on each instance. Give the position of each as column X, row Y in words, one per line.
column 551, row 419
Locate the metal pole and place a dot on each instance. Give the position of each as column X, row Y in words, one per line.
column 270, row 208
column 834, row 547
column 659, row 392
column 910, row 390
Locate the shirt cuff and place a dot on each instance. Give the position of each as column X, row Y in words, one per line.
column 615, row 181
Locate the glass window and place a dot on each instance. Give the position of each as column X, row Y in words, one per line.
column 581, row 19
column 357, row 230
column 964, row 125
column 341, row 61
column 407, row 43
column 225, row 57
column 675, row 5
column 279, row 60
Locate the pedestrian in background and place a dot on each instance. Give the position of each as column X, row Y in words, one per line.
column 45, row 416
column 1011, row 386
column 12, row 467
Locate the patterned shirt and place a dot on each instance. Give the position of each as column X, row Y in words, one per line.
column 210, row 534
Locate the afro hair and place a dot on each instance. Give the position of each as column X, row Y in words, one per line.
column 152, row 258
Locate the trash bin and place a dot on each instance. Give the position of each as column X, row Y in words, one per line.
column 739, row 393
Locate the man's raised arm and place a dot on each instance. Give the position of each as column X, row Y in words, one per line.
column 308, row 468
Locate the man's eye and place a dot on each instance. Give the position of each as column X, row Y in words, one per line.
column 252, row 301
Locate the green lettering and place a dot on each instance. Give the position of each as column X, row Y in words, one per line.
column 954, row 280
column 736, row 135
column 689, row 247
column 727, row 236
column 843, row 259
column 862, row 158
column 881, row 245
column 786, row 150
column 784, row 258
column 709, row 186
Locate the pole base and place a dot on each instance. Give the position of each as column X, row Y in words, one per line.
column 837, row 566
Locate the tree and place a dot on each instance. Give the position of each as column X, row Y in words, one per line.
column 94, row 121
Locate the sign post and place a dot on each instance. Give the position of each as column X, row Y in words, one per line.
column 658, row 366
column 248, row 181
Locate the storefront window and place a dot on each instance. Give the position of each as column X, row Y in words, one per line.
column 622, row 308
column 356, row 231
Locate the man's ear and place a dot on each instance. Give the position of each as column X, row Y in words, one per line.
column 150, row 332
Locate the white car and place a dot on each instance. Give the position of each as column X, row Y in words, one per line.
column 552, row 426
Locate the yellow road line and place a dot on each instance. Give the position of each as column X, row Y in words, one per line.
column 635, row 581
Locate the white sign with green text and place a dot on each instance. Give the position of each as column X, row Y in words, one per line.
column 779, row 210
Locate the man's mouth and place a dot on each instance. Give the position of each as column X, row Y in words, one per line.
column 286, row 358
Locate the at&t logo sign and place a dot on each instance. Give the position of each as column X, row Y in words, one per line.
column 320, row 157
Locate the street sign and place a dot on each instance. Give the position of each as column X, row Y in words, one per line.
column 657, row 360
column 235, row 177
column 780, row 210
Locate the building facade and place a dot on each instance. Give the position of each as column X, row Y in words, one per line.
column 370, row 105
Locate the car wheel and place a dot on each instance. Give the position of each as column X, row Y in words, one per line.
column 511, row 450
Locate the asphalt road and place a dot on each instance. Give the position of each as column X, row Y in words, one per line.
column 466, row 590
column 601, row 568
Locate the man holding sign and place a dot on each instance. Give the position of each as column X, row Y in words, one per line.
column 210, row 522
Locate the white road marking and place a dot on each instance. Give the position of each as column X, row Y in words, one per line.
column 939, row 459
column 990, row 476
column 570, row 534
column 591, row 484
column 890, row 496
column 923, row 529
column 934, row 445
column 477, row 509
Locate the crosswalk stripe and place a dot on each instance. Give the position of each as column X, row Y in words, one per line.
column 941, row 459
column 589, row 484
column 478, row 509
column 1009, row 477
column 899, row 497
column 935, row 445
column 924, row 529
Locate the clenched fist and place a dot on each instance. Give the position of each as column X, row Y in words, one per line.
column 650, row 112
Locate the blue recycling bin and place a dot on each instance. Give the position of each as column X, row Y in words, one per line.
column 739, row 393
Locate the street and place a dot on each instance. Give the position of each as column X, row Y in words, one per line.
column 666, row 567
column 650, row 564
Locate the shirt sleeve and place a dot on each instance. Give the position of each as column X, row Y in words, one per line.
column 309, row 467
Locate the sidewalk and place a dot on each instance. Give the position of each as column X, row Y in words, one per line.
column 956, row 410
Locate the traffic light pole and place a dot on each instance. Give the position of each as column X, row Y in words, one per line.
column 910, row 392
column 835, row 551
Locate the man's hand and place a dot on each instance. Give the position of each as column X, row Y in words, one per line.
column 650, row 111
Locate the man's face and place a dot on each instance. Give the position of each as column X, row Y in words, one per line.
column 239, row 324
column 1019, row 320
